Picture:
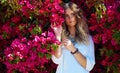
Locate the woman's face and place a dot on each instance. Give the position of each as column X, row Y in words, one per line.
column 70, row 17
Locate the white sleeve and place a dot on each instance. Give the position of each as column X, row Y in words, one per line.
column 57, row 60
column 90, row 56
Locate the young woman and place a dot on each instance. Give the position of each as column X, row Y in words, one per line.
column 76, row 53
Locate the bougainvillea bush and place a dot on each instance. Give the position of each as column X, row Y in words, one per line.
column 27, row 40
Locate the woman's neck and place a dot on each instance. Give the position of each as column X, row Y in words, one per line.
column 72, row 31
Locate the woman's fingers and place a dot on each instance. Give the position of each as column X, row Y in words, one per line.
column 57, row 29
column 66, row 42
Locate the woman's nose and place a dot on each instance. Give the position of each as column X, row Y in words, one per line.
column 70, row 17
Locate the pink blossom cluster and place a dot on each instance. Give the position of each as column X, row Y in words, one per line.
column 28, row 44
column 106, row 33
column 55, row 10
column 25, row 55
column 107, row 25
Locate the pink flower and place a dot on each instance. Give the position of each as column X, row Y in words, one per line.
column 41, row 11
column 93, row 28
column 19, row 55
column 97, row 38
column 8, row 50
column 29, row 5
column 15, row 43
column 16, row 19
column 37, row 39
column 104, row 38
column 24, row 39
column 55, row 16
column 10, row 56
column 57, row 6
column 44, row 34
column 105, row 61
column 6, row 27
column 113, row 41
column 25, row 11
column 43, row 40
column 50, row 34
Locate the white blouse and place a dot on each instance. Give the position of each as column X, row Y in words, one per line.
column 67, row 62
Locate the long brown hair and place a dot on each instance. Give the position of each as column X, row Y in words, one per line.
column 81, row 26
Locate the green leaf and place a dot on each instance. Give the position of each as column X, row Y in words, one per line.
column 47, row 25
column 35, row 22
column 42, row 45
column 102, row 51
column 107, row 25
column 51, row 1
column 34, row 49
column 3, row 1
column 12, row 24
column 48, row 56
column 16, row 60
column 21, row 27
column 23, row 59
column 100, row 8
column 54, row 47
column 115, row 69
column 108, row 69
column 106, row 51
column 27, row 35
column 4, row 35
column 36, row 30
column 14, row 71
column 40, row 54
column 118, row 9
column 116, row 36
column 31, row 16
column 109, row 52
column 48, row 46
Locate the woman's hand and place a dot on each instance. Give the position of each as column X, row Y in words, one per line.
column 57, row 31
column 68, row 45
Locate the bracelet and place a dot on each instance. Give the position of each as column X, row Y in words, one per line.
column 74, row 51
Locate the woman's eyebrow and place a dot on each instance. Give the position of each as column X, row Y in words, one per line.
column 70, row 13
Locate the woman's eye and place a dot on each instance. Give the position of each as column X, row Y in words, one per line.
column 72, row 14
column 66, row 16
column 69, row 16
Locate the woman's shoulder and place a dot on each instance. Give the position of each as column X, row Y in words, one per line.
column 90, row 39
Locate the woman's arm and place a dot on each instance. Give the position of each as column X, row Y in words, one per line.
column 86, row 62
column 58, row 51
column 58, row 31
column 80, row 58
